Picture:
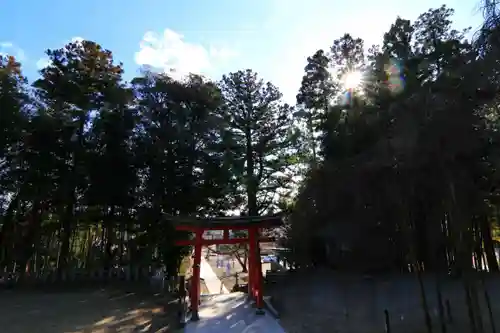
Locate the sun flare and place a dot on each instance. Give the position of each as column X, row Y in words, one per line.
column 352, row 80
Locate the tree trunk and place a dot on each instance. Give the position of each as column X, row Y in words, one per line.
column 489, row 249
column 123, row 229
column 108, row 253
column 30, row 238
column 312, row 141
column 410, row 236
column 441, row 267
column 463, row 241
column 66, row 232
column 423, row 298
column 88, row 253
column 241, row 261
column 6, row 233
column 251, row 186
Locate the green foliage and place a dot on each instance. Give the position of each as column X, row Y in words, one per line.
column 90, row 165
column 261, row 139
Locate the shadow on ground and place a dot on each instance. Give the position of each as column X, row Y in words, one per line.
column 99, row 311
column 231, row 313
column 326, row 301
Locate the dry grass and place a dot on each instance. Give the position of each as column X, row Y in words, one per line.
column 85, row 312
column 496, row 233
column 185, row 268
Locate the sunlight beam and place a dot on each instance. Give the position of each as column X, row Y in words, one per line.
column 352, row 80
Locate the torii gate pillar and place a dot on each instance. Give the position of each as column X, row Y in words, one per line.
column 195, row 281
column 255, row 269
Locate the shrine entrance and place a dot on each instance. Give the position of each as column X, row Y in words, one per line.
column 253, row 226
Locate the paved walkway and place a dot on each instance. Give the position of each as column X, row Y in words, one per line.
column 231, row 313
column 213, row 283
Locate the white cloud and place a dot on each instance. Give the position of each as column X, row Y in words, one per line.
column 77, row 39
column 222, row 53
column 44, row 61
column 171, row 53
column 9, row 48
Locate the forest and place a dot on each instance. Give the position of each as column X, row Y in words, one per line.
column 388, row 159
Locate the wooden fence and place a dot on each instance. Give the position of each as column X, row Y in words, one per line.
column 144, row 278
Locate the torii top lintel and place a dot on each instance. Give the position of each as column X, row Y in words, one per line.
column 231, row 222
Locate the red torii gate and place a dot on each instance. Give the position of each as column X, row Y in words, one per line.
column 253, row 225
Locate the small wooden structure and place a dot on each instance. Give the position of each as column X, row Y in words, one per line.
column 252, row 224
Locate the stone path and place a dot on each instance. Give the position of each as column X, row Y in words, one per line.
column 231, row 313
column 212, row 282
column 224, row 312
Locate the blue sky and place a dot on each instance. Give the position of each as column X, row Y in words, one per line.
column 273, row 37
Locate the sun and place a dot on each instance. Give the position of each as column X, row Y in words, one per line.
column 352, row 80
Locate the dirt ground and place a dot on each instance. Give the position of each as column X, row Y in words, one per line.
column 96, row 311
column 336, row 302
